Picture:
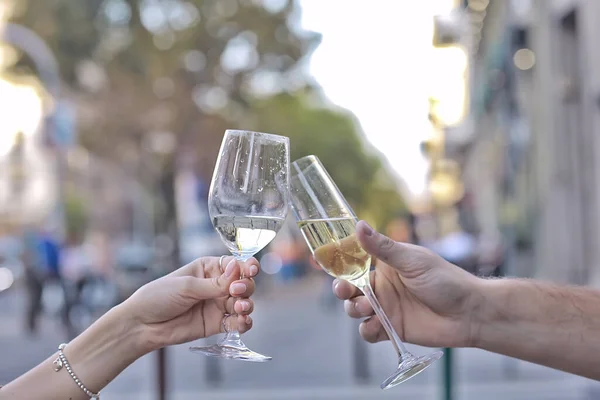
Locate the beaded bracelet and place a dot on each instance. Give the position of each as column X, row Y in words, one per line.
column 61, row 362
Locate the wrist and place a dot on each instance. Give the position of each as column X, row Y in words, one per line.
column 114, row 332
column 139, row 336
column 106, row 348
column 477, row 315
column 489, row 293
column 148, row 337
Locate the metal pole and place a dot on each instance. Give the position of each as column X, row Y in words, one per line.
column 447, row 377
column 447, row 381
column 162, row 374
column 213, row 374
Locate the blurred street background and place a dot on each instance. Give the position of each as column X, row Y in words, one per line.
column 465, row 126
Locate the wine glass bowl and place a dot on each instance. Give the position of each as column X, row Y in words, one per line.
column 247, row 203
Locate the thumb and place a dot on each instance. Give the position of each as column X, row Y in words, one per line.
column 381, row 246
column 209, row 288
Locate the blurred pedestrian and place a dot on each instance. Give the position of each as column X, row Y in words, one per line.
column 42, row 261
column 35, row 276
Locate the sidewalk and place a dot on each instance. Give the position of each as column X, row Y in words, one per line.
column 572, row 389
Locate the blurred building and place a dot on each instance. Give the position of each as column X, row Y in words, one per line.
column 29, row 179
column 26, row 192
column 531, row 158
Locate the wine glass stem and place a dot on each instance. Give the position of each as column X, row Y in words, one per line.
column 233, row 339
column 365, row 286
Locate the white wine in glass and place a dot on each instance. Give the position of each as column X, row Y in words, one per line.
column 328, row 225
column 246, row 235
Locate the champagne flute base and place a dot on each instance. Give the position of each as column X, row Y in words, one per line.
column 241, row 353
column 409, row 368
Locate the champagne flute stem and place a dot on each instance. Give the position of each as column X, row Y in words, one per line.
column 365, row 286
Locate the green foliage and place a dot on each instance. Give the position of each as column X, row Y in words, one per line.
column 76, row 216
column 144, row 66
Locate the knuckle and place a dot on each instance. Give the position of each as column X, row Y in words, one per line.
column 218, row 287
column 386, row 245
column 188, row 284
column 249, row 285
column 366, row 333
column 382, row 336
column 230, row 305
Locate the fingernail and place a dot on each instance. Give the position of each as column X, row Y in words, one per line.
column 253, row 270
column 367, row 230
column 238, row 288
column 229, row 269
column 245, row 305
column 335, row 284
column 248, row 320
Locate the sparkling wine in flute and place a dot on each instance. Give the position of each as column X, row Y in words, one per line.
column 335, row 247
column 246, row 236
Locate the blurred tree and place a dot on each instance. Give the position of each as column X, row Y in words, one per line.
column 158, row 80
column 153, row 78
column 333, row 136
column 75, row 216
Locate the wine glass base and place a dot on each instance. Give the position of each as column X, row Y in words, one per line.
column 409, row 368
column 241, row 353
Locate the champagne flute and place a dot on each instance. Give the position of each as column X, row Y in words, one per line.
column 328, row 225
column 248, row 203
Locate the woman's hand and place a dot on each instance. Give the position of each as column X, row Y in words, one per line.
column 191, row 303
column 195, row 301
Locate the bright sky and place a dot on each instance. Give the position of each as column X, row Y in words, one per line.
column 373, row 60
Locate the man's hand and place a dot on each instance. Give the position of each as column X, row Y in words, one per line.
column 428, row 300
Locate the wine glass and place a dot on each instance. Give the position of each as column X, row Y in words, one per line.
column 328, row 225
column 248, row 203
